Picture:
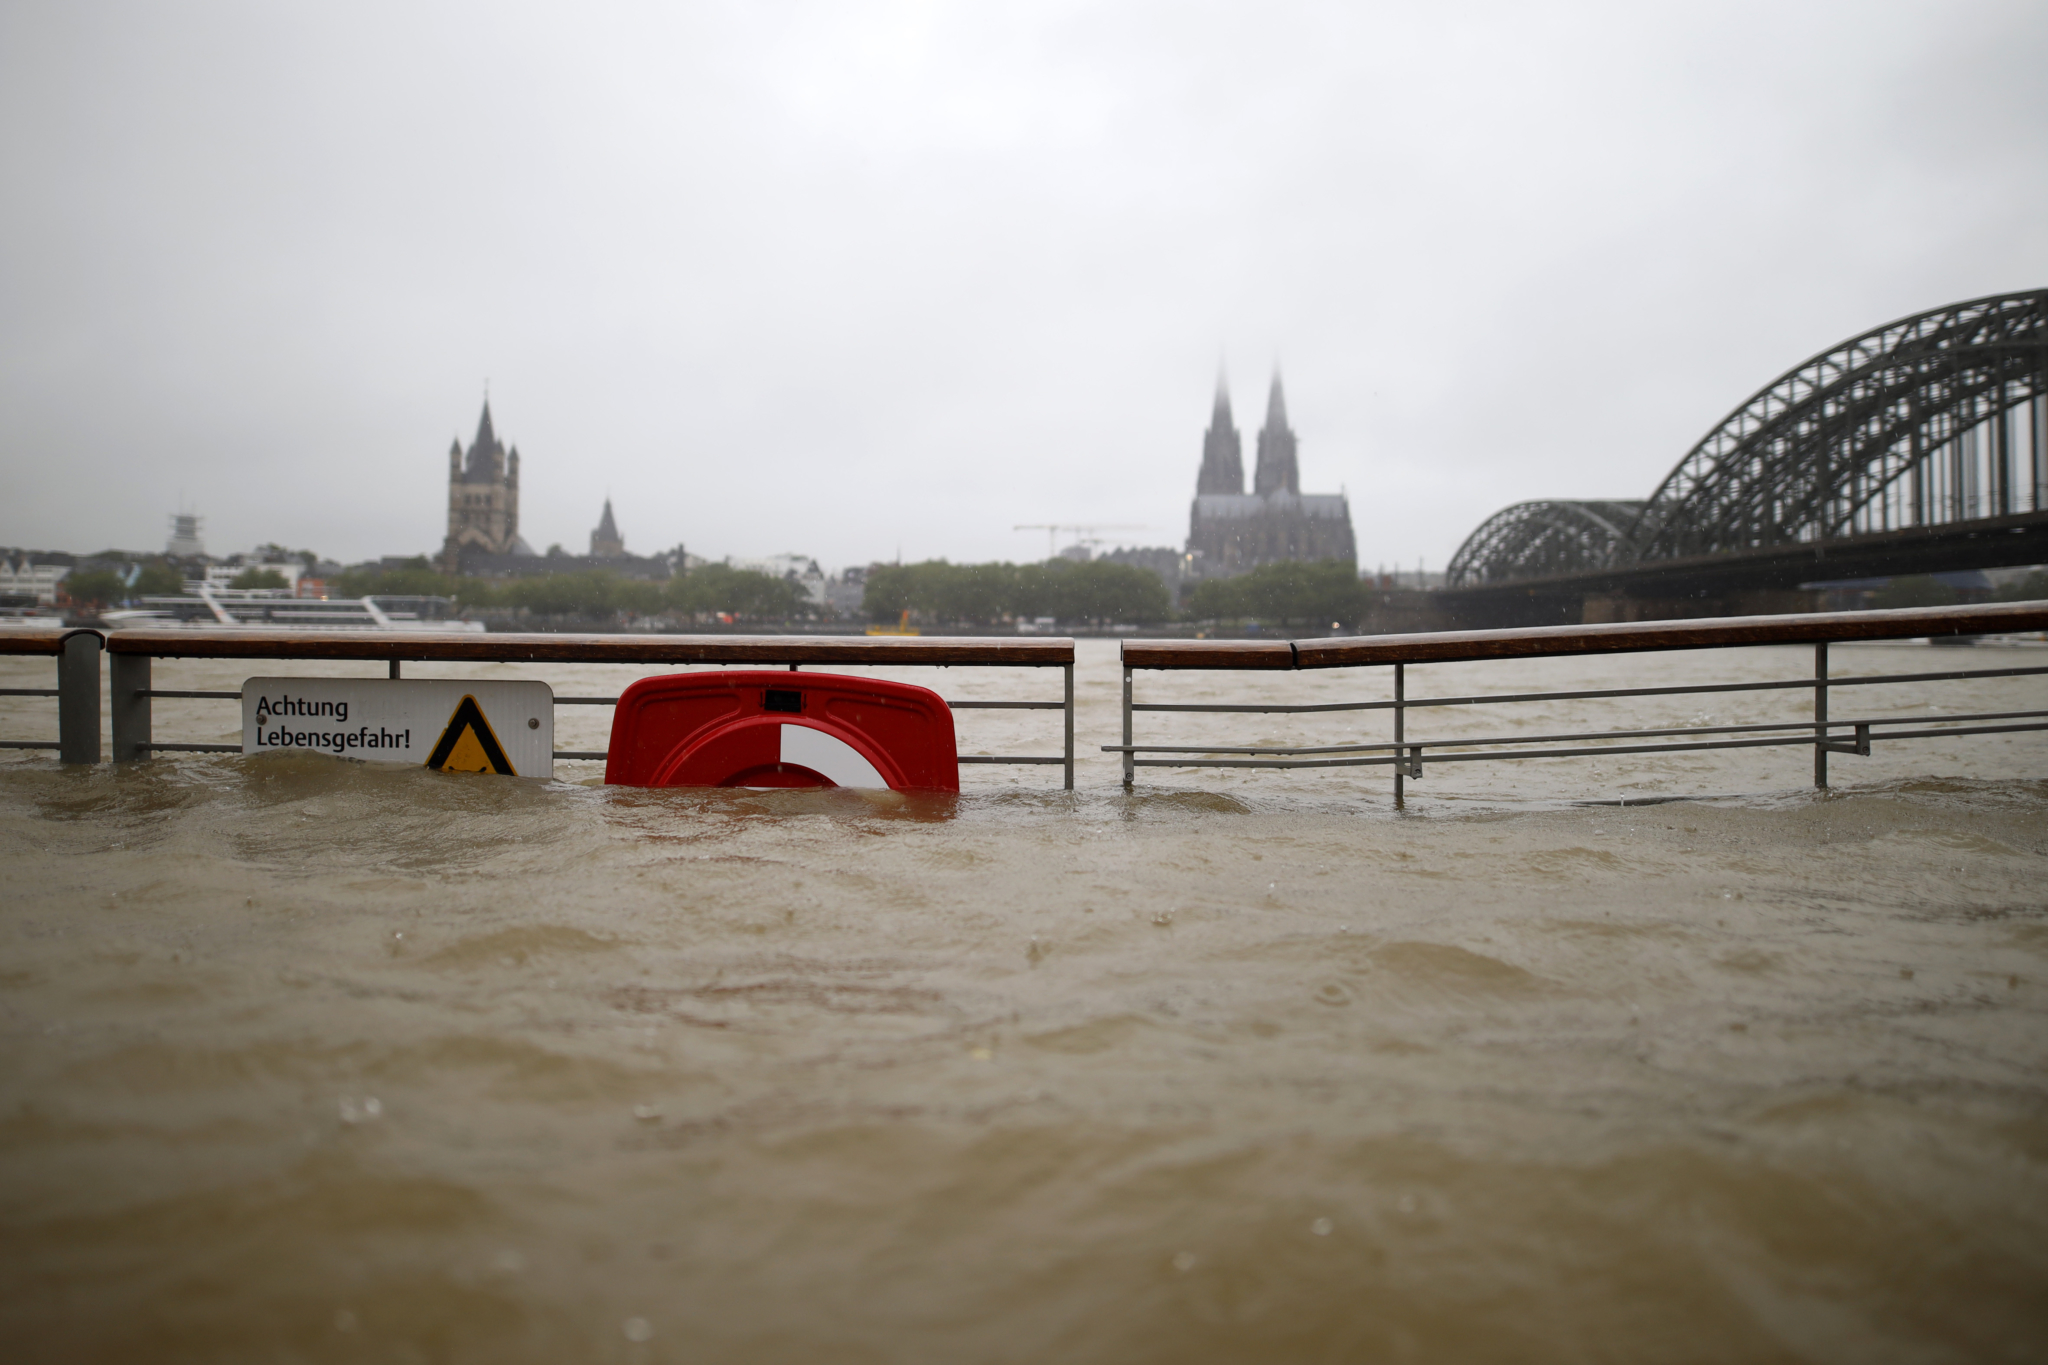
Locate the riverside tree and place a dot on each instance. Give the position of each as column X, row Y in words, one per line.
column 1098, row 592
column 743, row 594
column 1317, row 594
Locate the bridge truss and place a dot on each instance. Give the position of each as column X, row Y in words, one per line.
column 1936, row 419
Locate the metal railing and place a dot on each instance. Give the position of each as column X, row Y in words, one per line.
column 77, row 653
column 132, row 652
column 1406, row 754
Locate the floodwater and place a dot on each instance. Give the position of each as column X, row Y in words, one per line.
column 309, row 1060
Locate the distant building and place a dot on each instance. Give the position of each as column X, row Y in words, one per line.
column 483, row 498
column 26, row 583
column 1168, row 563
column 605, row 541
column 185, row 542
column 224, row 574
column 845, row 594
column 1231, row 531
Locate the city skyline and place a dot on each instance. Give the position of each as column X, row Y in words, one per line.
column 881, row 278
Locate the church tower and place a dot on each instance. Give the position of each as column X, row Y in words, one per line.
column 1277, row 470
column 483, row 497
column 605, row 541
column 1222, row 449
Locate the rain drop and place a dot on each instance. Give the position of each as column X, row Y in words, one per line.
column 1183, row 1261
column 1322, row 1227
column 647, row 1113
column 637, row 1329
column 355, row 1111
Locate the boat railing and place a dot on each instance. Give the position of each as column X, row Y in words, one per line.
column 131, row 654
column 1407, row 754
column 77, row 655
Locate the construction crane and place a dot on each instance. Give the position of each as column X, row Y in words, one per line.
column 1052, row 530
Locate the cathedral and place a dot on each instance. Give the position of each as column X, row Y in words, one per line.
column 1230, row 530
column 483, row 498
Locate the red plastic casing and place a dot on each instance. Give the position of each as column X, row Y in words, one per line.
column 716, row 730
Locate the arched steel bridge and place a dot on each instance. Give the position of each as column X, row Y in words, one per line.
column 1893, row 448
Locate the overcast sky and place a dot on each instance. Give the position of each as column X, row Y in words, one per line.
column 857, row 280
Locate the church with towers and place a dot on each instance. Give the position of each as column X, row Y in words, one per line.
column 483, row 521
column 483, row 498
column 1231, row 531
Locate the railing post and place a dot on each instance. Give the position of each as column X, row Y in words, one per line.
column 1068, row 669
column 394, row 668
column 1400, row 730
column 78, row 698
column 128, row 705
column 1130, row 767
column 1820, row 717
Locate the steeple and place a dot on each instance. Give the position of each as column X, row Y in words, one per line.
column 483, row 497
column 605, row 541
column 1277, row 470
column 486, row 460
column 1222, row 448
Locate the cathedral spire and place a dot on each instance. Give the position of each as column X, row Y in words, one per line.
column 1222, row 448
column 1277, row 471
column 1276, row 405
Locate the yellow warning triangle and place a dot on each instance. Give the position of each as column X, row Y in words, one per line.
column 468, row 744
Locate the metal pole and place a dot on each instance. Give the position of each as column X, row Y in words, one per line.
column 1068, row 669
column 78, row 698
column 394, row 668
column 1820, row 717
column 1130, row 767
column 128, row 704
column 1400, row 729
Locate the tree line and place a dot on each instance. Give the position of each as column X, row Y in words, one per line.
column 1097, row 592
column 707, row 590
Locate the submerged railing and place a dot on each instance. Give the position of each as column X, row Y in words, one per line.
column 132, row 652
column 1406, row 755
column 77, row 653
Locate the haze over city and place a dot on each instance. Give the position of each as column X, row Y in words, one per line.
column 861, row 280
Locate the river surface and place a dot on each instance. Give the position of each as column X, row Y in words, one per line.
column 303, row 1059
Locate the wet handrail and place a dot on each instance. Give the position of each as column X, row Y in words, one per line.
column 538, row 647
column 131, row 652
column 77, row 651
column 1405, row 755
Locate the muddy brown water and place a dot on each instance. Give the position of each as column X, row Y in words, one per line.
column 310, row 1060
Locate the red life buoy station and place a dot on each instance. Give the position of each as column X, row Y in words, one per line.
column 763, row 728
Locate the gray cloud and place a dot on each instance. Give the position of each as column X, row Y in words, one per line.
column 843, row 278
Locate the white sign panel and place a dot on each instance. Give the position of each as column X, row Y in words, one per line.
column 451, row 724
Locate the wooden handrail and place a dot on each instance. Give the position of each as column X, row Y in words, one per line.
column 1207, row 654
column 38, row 641
column 1534, row 642
column 432, row 646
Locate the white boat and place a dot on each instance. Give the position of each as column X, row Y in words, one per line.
column 211, row 608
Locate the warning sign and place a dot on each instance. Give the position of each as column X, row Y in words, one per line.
column 455, row 725
column 468, row 746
